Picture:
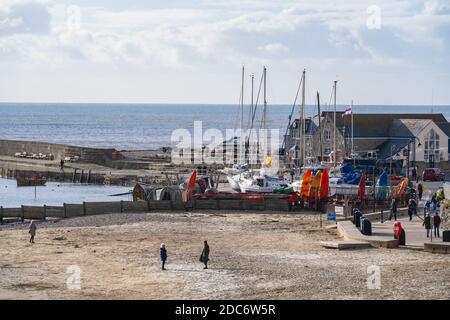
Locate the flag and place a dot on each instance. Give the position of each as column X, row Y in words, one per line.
column 348, row 111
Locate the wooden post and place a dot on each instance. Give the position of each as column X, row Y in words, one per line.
column 65, row 210
column 81, row 176
column 121, row 205
column 1, row 214
column 89, row 176
column 74, row 174
column 84, row 208
column 23, row 213
column 45, row 212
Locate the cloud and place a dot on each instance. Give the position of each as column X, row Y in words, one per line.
column 274, row 48
column 24, row 17
column 208, row 36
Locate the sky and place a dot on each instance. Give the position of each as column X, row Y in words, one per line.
column 159, row 51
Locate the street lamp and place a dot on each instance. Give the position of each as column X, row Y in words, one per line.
column 393, row 147
column 409, row 151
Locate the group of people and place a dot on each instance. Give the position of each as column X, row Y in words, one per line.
column 434, row 223
column 431, row 207
column 204, row 257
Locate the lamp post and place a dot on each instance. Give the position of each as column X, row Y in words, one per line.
column 409, row 151
column 393, row 147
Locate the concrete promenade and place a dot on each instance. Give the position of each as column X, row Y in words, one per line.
column 415, row 232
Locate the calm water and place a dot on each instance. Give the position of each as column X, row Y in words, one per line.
column 139, row 126
column 55, row 193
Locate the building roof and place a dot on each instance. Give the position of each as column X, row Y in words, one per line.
column 384, row 124
column 310, row 126
column 445, row 126
column 407, row 127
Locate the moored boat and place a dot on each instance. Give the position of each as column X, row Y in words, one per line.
column 31, row 182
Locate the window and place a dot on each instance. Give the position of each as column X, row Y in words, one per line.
column 327, row 135
column 432, row 146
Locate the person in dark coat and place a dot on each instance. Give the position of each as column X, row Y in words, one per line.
column 204, row 257
column 427, row 208
column 32, row 231
column 420, row 190
column 393, row 209
column 436, row 224
column 412, row 207
column 163, row 255
column 427, row 224
column 434, row 201
column 414, row 174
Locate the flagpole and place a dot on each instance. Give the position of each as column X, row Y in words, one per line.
column 353, row 145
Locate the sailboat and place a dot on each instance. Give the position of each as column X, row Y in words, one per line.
column 265, row 179
column 234, row 174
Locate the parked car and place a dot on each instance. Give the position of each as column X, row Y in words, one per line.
column 433, row 174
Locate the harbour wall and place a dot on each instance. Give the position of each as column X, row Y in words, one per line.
column 70, row 210
column 59, row 151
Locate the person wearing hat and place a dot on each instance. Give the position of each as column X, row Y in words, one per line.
column 163, row 255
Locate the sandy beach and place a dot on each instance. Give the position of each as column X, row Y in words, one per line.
column 253, row 256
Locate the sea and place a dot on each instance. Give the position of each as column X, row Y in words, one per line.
column 146, row 126
column 57, row 193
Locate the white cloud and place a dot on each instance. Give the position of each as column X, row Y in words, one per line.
column 217, row 36
column 274, row 48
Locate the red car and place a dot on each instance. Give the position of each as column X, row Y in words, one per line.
column 433, row 174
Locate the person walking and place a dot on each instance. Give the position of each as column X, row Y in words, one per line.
column 32, row 231
column 427, row 224
column 61, row 164
column 436, row 224
column 414, row 174
column 412, row 207
column 434, row 202
column 204, row 257
column 420, row 191
column 393, row 209
column 163, row 255
column 427, row 208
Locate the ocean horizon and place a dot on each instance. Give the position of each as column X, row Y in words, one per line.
column 137, row 126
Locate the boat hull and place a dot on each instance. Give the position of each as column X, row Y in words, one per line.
column 31, row 182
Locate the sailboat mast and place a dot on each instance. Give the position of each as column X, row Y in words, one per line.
column 335, row 124
column 353, row 136
column 302, row 120
column 265, row 100
column 241, row 120
column 251, row 106
column 320, row 126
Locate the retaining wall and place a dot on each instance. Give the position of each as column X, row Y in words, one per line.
column 93, row 155
column 70, row 210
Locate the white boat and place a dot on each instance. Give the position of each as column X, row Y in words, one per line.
column 261, row 184
column 234, row 182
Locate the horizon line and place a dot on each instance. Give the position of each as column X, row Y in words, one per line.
column 218, row 104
